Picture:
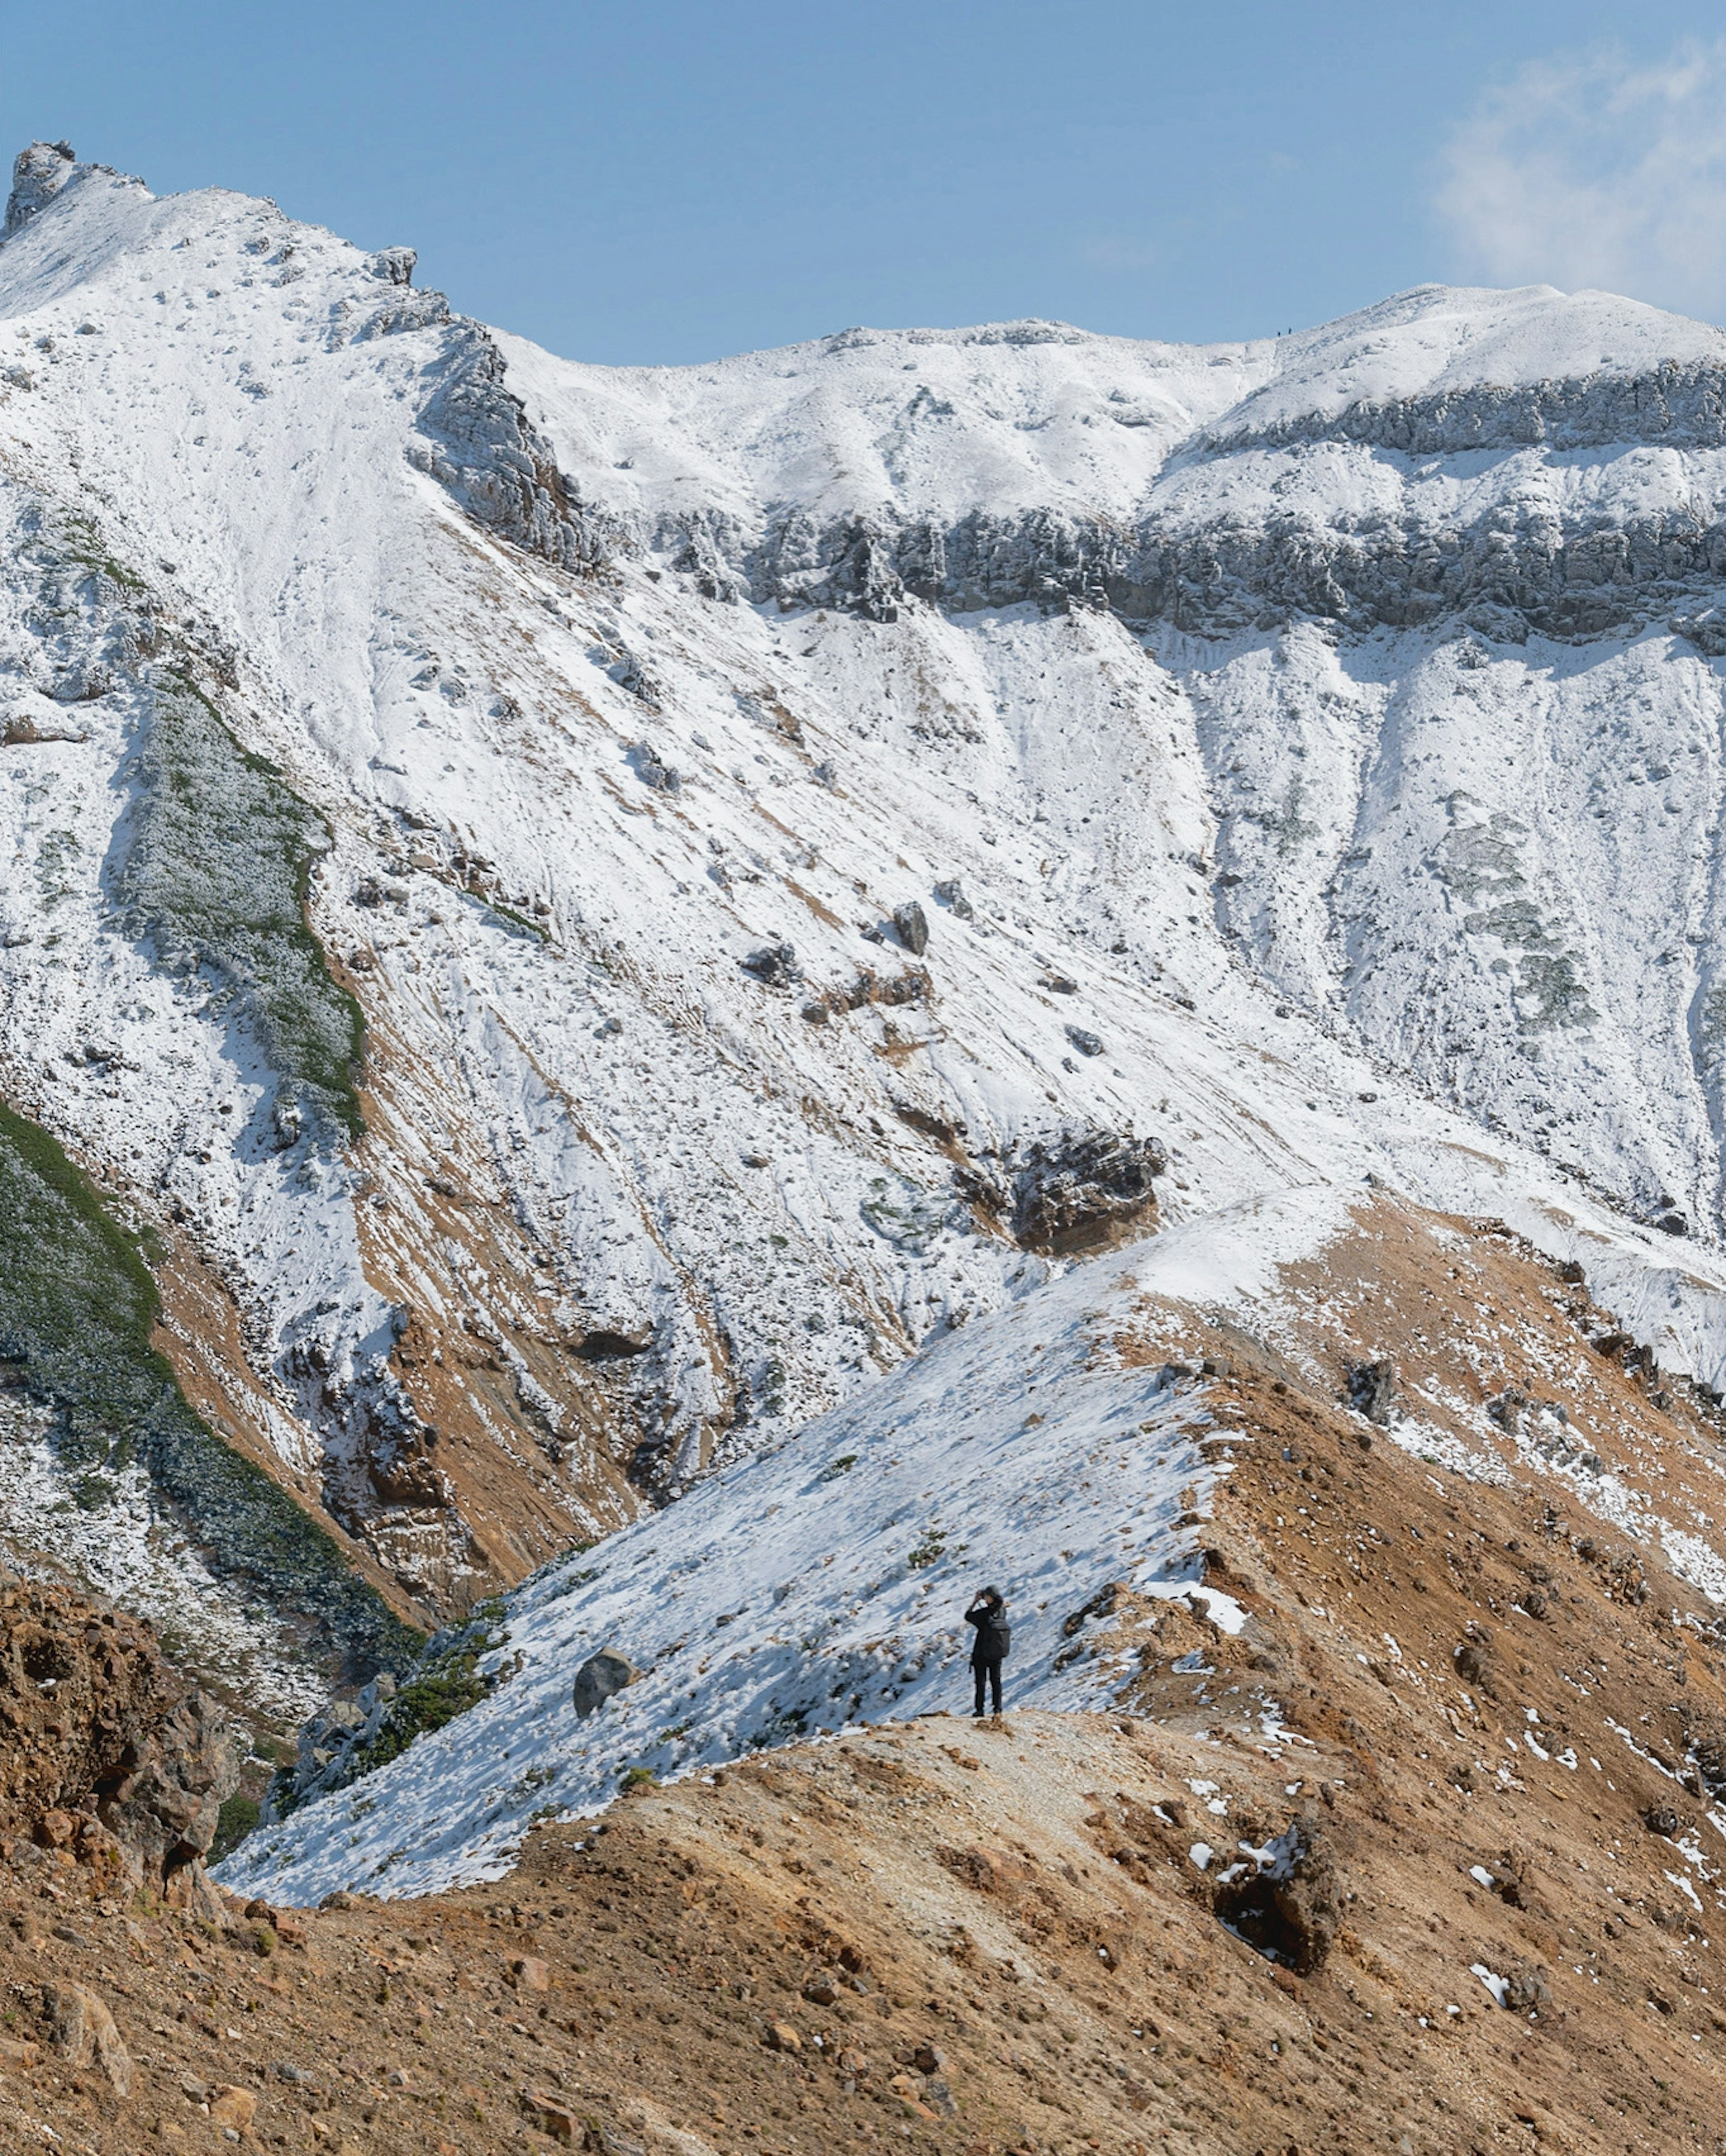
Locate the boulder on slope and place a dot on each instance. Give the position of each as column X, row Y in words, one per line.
column 1079, row 1188
column 598, row 1677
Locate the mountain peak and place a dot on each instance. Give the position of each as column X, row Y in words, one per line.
column 37, row 175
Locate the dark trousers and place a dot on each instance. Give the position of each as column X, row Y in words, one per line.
column 990, row 1673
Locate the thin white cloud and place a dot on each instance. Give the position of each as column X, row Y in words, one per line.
column 1588, row 170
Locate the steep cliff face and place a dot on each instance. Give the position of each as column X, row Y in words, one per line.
column 1443, row 452
column 581, row 916
column 1437, row 585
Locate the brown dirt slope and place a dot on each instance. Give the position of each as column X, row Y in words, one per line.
column 1465, row 1723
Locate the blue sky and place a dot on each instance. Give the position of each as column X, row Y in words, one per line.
column 668, row 182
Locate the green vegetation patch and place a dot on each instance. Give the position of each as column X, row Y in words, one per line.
column 443, row 1687
column 217, row 864
column 518, row 922
column 77, row 1305
column 930, row 1550
column 236, row 1820
column 445, row 1682
column 83, row 548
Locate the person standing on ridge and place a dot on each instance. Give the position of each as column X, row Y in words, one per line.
column 988, row 1612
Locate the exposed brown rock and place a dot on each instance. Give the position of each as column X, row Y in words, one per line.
column 231, row 2105
column 106, row 1753
column 81, row 2029
column 1291, row 1908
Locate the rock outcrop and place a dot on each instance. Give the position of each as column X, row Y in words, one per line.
column 1557, row 565
column 476, row 440
column 105, row 1751
column 1571, row 580
column 348, row 1738
column 1080, row 1188
column 81, row 2029
column 1288, row 1904
column 37, row 175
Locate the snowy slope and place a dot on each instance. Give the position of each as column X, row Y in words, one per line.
column 582, row 706
column 824, row 1581
column 1070, row 1450
column 1012, row 418
column 1437, row 582
column 1020, row 417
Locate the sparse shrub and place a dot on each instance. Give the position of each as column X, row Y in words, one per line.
column 444, row 1683
column 238, row 1817
column 432, row 1696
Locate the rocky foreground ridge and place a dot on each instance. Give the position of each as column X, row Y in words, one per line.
column 1377, row 1795
column 109, row 1755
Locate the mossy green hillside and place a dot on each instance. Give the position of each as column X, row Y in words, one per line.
column 215, row 865
column 77, row 1305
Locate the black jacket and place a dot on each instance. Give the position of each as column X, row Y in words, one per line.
column 993, row 1633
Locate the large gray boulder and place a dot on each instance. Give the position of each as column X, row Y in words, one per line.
column 598, row 1677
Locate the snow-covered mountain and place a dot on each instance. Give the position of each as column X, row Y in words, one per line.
column 1435, row 583
column 585, row 914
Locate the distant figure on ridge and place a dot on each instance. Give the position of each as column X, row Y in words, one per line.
column 994, row 1637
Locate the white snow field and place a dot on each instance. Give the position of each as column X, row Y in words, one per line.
column 1307, row 757
column 822, row 1582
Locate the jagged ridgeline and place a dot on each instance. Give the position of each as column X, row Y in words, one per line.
column 77, row 1305
column 215, row 858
